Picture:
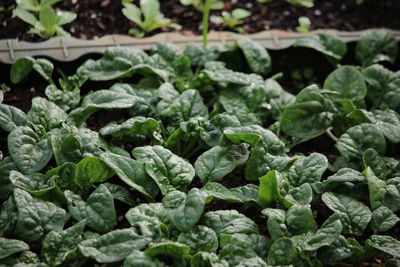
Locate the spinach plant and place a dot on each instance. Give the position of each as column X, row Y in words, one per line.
column 201, row 168
column 200, row 5
column 232, row 19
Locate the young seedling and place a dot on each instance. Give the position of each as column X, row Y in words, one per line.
column 147, row 16
column 45, row 21
column 304, row 25
column 199, row 4
column 232, row 19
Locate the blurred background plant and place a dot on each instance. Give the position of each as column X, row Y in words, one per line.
column 199, row 4
column 304, row 25
column 306, row 3
column 45, row 21
column 147, row 16
column 232, row 20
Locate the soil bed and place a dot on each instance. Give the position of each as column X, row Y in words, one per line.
column 97, row 18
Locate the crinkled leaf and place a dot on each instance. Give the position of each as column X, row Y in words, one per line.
column 353, row 215
column 376, row 46
column 308, row 169
column 132, row 173
column 36, row 183
column 282, row 252
column 184, row 211
column 229, row 222
column 386, row 244
column 113, row 246
column 200, row 238
column 256, row 55
column 383, row 219
column 11, row 117
column 11, row 246
column 58, row 246
column 30, row 152
column 167, row 170
column 98, row 210
column 219, row 161
column 356, row 140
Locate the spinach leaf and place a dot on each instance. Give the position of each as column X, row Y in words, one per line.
column 113, row 246
column 219, row 161
column 98, row 210
column 169, row 171
column 184, row 211
column 376, row 46
column 353, row 215
column 29, row 151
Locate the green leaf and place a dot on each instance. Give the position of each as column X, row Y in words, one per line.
column 29, row 152
column 212, row 130
column 137, row 125
column 388, row 122
column 151, row 219
column 184, row 211
column 342, row 176
column 217, row 190
column 261, row 163
column 229, row 222
column 376, row 46
column 383, row 219
column 102, row 99
column 256, row 55
column 9, row 247
column 353, row 215
column 58, row 246
column 219, row 161
column 114, row 246
column 11, row 117
column 132, row 172
column 256, row 135
column 98, row 210
column 167, row 170
column 181, row 108
column 308, row 169
column 299, row 219
column 139, row 258
column 327, row 44
column 21, row 69
column 270, row 189
column 66, row 100
column 121, row 62
column 45, row 115
column 306, row 119
column 120, row 193
column 201, row 259
column 326, row 235
column 356, row 140
column 6, row 166
column 91, row 170
column 348, row 82
column 386, row 244
column 36, row 184
column 377, row 189
column 382, row 86
column 282, row 252
column 49, row 19
column 383, row 167
column 177, row 251
column 36, row 217
column 200, row 238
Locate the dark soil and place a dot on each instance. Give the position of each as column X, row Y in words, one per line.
column 97, row 18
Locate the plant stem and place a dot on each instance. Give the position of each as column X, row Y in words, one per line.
column 331, row 135
column 206, row 16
